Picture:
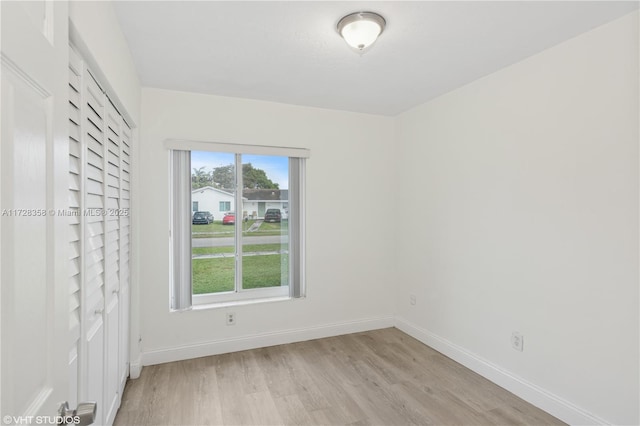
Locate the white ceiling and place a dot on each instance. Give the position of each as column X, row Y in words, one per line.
column 290, row 52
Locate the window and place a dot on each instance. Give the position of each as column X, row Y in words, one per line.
column 240, row 255
column 194, row 206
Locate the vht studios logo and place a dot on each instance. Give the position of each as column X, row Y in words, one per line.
column 40, row 420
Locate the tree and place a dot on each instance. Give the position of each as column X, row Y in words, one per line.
column 256, row 178
column 224, row 177
column 200, row 178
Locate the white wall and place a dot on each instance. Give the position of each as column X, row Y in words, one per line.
column 527, row 184
column 349, row 260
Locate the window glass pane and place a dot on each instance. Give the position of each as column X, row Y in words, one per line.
column 212, row 229
column 265, row 239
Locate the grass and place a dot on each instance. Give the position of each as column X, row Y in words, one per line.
column 282, row 227
column 217, row 274
column 214, row 275
column 211, row 250
column 245, row 248
column 215, row 229
column 218, row 230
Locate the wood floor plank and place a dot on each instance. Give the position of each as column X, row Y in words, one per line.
column 292, row 411
column 206, row 405
column 253, row 378
column 276, row 368
column 381, row 377
column 263, row 409
column 307, row 387
column 234, row 400
column 329, row 381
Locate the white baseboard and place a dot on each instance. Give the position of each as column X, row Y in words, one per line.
column 262, row 340
column 135, row 368
column 533, row 394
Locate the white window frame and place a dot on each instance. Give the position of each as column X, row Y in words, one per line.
column 225, row 204
column 181, row 295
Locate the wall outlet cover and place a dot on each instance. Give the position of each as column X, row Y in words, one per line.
column 517, row 341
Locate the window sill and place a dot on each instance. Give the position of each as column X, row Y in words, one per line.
column 230, row 303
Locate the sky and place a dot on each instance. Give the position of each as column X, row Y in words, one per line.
column 276, row 168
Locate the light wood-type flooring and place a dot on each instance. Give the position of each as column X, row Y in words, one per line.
column 381, row 377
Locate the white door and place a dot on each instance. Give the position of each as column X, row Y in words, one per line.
column 33, row 230
column 99, row 163
column 113, row 136
column 94, row 236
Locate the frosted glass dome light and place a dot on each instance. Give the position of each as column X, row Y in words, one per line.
column 361, row 29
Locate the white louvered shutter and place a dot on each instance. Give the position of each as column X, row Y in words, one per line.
column 94, row 239
column 112, row 260
column 99, row 245
column 125, row 249
column 75, row 228
column 94, row 200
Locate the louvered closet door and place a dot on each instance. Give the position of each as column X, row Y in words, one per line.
column 99, row 247
column 125, row 224
column 75, row 228
column 112, row 260
column 94, row 240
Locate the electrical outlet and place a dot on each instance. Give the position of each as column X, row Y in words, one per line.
column 231, row 318
column 412, row 299
column 517, row 341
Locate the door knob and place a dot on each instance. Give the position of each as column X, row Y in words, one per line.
column 84, row 415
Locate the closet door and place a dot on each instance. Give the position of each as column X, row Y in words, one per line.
column 99, row 190
column 75, row 227
column 112, row 261
column 125, row 244
column 94, row 241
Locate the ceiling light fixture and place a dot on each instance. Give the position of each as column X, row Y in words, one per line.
column 361, row 29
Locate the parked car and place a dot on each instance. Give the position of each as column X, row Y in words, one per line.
column 202, row 218
column 229, row 218
column 273, row 215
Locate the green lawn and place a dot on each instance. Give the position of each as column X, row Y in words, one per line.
column 215, row 229
column 211, row 250
column 217, row 274
column 246, row 248
column 212, row 275
column 278, row 228
column 218, row 230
